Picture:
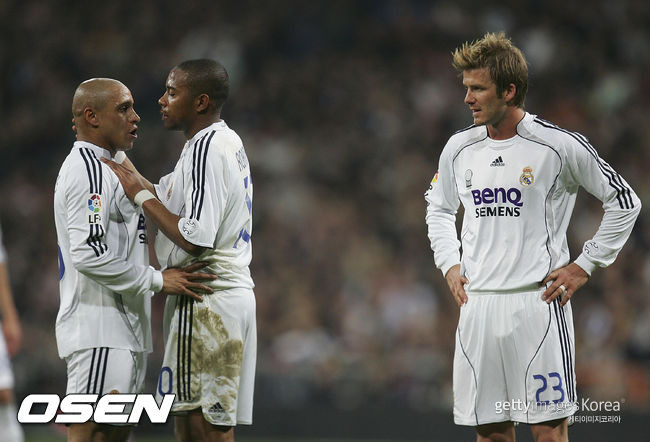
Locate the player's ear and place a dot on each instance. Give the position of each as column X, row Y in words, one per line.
column 91, row 117
column 510, row 93
column 202, row 103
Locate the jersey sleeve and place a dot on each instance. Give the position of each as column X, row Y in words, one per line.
column 205, row 199
column 620, row 203
column 164, row 186
column 442, row 205
column 87, row 209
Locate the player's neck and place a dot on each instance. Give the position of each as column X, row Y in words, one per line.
column 97, row 142
column 201, row 123
column 506, row 128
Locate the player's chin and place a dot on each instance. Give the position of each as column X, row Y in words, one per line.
column 478, row 121
column 170, row 125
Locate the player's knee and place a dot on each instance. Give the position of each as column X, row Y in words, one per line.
column 6, row 396
column 552, row 431
column 501, row 432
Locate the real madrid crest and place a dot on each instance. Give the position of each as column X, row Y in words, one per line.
column 527, row 178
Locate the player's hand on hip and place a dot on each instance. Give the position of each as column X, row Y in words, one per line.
column 565, row 282
column 456, row 283
column 131, row 180
column 182, row 281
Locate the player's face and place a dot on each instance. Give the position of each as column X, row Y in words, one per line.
column 118, row 120
column 176, row 104
column 486, row 105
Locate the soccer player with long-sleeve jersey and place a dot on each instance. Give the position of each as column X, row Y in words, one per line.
column 517, row 177
column 103, row 327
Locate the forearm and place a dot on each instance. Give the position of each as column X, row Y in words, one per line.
column 7, row 306
column 167, row 223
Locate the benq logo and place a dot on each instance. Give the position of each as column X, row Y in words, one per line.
column 497, row 195
column 80, row 408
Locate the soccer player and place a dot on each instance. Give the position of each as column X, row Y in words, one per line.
column 103, row 328
column 9, row 344
column 203, row 208
column 517, row 177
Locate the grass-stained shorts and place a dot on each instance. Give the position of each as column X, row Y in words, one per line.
column 210, row 355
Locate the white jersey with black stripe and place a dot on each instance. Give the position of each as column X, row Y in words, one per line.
column 211, row 190
column 518, row 195
column 105, row 280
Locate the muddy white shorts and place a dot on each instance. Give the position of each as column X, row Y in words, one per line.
column 514, row 360
column 6, row 375
column 210, row 355
column 104, row 370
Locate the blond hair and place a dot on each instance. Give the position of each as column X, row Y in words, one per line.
column 504, row 60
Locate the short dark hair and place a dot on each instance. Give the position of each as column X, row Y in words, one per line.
column 205, row 76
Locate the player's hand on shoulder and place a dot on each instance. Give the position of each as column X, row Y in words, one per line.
column 131, row 180
column 565, row 281
column 183, row 281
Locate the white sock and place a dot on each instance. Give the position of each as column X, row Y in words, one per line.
column 11, row 429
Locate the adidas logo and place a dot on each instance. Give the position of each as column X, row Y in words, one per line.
column 497, row 162
column 217, row 408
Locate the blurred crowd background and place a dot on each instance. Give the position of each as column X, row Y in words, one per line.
column 344, row 107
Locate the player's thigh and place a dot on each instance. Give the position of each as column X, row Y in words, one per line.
column 105, row 370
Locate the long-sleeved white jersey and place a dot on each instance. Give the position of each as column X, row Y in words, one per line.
column 105, row 279
column 211, row 190
column 518, row 195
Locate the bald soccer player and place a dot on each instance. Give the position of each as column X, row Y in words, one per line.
column 103, row 328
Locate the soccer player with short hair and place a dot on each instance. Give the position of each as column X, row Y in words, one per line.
column 204, row 210
column 517, row 177
column 10, row 339
column 103, row 327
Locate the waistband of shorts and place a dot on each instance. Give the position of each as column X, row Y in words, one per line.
column 534, row 288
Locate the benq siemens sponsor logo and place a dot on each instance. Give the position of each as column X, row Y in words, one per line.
column 497, row 201
column 80, row 408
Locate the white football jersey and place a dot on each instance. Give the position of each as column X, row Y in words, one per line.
column 104, row 277
column 518, row 195
column 211, row 190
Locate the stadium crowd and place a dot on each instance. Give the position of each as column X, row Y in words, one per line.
column 344, row 108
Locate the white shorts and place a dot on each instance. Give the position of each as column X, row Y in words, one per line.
column 104, row 370
column 6, row 375
column 210, row 355
column 514, row 360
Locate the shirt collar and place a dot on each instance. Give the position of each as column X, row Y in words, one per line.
column 219, row 125
column 100, row 152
